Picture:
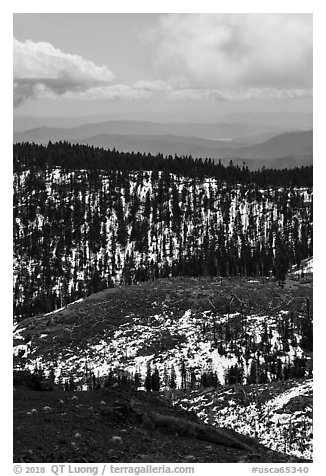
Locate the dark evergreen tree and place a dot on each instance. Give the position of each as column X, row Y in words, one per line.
column 173, row 382
column 155, row 381
column 148, row 378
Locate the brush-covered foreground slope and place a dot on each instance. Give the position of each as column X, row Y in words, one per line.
column 122, row 427
column 194, row 326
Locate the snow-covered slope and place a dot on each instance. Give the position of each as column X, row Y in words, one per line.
column 211, row 324
column 74, row 237
column 305, row 267
column 240, row 331
column 278, row 414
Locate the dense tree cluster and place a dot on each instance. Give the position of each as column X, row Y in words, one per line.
column 68, row 156
column 260, row 358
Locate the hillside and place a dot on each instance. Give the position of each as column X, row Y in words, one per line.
column 80, row 228
column 279, row 414
column 192, row 333
column 176, row 276
column 288, row 144
column 122, row 426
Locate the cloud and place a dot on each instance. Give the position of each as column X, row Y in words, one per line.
column 171, row 90
column 238, row 94
column 41, row 70
column 154, row 86
column 237, row 51
column 217, row 57
column 142, row 89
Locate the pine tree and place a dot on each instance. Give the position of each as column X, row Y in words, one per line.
column 172, row 383
column 183, row 372
column 137, row 380
column 155, row 381
column 51, row 376
column 165, row 377
column 71, row 384
column 193, row 380
column 148, row 378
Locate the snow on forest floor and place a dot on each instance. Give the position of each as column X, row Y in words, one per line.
column 161, row 339
column 171, row 321
column 306, row 266
column 278, row 414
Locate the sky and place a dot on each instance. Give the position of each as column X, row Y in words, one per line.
column 202, row 66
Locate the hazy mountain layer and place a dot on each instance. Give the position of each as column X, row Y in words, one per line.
column 213, row 131
column 275, row 121
column 216, row 141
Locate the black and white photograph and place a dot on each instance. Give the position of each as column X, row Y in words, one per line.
column 162, row 240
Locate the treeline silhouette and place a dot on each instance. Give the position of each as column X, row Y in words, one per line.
column 76, row 157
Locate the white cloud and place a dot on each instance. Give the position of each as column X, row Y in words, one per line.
column 115, row 91
column 143, row 89
column 41, row 70
column 238, row 94
column 231, row 51
column 157, row 85
column 169, row 90
column 219, row 57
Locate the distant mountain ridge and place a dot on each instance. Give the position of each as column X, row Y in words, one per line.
column 214, row 131
column 216, row 141
column 280, row 121
column 289, row 144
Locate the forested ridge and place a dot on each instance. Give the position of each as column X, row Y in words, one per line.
column 86, row 219
column 75, row 156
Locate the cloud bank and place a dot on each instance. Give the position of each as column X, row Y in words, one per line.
column 216, row 57
column 233, row 51
column 41, row 70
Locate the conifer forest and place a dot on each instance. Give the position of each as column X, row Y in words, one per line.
column 87, row 219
